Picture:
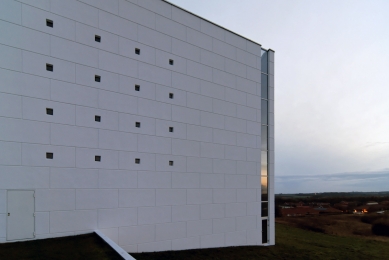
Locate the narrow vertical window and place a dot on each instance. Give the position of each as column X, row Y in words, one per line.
column 264, row 231
column 264, row 189
column 98, row 118
column 171, row 129
column 264, row 112
column 137, row 51
column 97, row 38
column 137, row 88
column 171, row 62
column 137, row 124
column 137, row 160
column 97, row 78
column 171, row 95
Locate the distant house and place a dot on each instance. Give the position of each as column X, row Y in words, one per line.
column 361, row 209
column 372, row 206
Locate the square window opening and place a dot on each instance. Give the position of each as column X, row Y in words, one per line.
column 97, row 38
column 171, row 163
column 98, row 118
column 137, row 124
column 49, row 23
column 137, row 88
column 171, row 62
column 98, row 158
column 137, row 160
column 137, row 51
column 49, row 156
column 97, row 78
column 171, row 129
column 49, row 67
column 49, row 111
column 171, row 95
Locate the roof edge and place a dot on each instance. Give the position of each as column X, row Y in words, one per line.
column 212, row 22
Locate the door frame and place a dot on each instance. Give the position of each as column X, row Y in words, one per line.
column 6, row 215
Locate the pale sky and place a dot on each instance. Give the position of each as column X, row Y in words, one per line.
column 331, row 86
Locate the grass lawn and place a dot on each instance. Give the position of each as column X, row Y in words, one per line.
column 291, row 243
column 89, row 246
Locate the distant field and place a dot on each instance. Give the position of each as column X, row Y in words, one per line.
column 291, row 243
column 340, row 225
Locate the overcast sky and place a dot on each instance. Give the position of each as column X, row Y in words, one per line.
column 332, row 86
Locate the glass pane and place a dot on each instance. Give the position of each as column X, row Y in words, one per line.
column 264, row 138
column 264, row 86
column 264, row 189
column 264, row 163
column 264, row 231
column 264, row 62
column 264, row 209
column 264, row 112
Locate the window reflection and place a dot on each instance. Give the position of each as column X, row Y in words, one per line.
column 264, row 189
column 264, row 138
column 264, row 86
column 264, row 209
column 264, row 62
column 264, row 112
column 264, row 163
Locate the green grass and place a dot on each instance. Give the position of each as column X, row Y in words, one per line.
column 291, row 243
column 88, row 246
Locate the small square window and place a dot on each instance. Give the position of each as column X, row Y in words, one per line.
column 98, row 118
column 98, row 158
column 49, row 156
column 137, row 124
column 49, row 67
column 137, row 88
column 97, row 38
column 171, row 95
column 137, row 160
column 171, row 129
column 97, row 78
column 171, row 163
column 49, row 23
column 171, row 62
column 137, row 51
column 49, row 111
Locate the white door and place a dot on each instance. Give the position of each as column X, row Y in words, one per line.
column 20, row 214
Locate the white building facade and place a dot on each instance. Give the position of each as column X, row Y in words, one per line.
column 136, row 118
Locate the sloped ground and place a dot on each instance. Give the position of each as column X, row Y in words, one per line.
column 341, row 225
column 291, row 243
column 89, row 246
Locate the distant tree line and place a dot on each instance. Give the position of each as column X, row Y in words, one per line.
column 357, row 201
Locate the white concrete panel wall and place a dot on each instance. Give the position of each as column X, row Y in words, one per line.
column 194, row 187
